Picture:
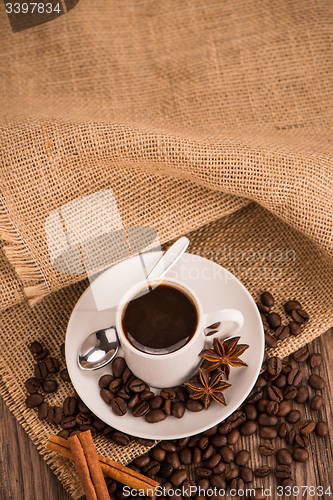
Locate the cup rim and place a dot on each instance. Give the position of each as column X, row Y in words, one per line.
column 129, row 294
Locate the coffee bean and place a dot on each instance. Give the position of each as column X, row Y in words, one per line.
column 282, row 471
column 67, row 422
column 270, row 341
column 291, row 436
column 182, row 394
column 282, row 332
column 209, row 451
column 267, row 299
column 108, row 431
column 146, row 395
column 168, row 446
column 98, row 424
column 288, row 482
column 236, row 418
column 133, row 401
column 168, row 393
column 216, row 481
column 266, row 449
column 63, row 434
column 293, row 416
column 165, row 470
column 185, row 456
column 52, row 364
column 194, row 440
column 120, row 438
column 49, row 386
column 145, row 442
column 152, row 468
column 262, row 308
column 126, row 376
column 262, row 471
column 274, row 320
column 196, row 455
column 242, row 458
column 315, row 360
column 248, row 428
column 194, row 405
column 32, row 385
column 237, row 484
column 291, row 305
column 141, row 461
column 246, row 474
column 57, row 414
column 218, row 440
column 233, row 436
column 156, row 402
column 178, row 409
column 36, row 347
column 83, row 419
column 227, row 454
column 315, row 381
column 268, row 433
column 183, row 442
column 306, row 426
column 42, row 355
column 254, row 396
column 300, row 316
column 34, row 400
column 155, row 416
column 119, row 406
column 303, row 395
column 140, row 409
column 65, row 375
column 294, row 328
column 121, row 394
column 41, row 370
column 274, row 366
column 118, row 367
column 42, row 410
column 213, row 460
column 224, row 428
column 281, row 381
column 321, row 428
column 210, row 432
column 107, row 396
column 268, row 420
column 283, row 456
column 105, row 381
column 219, row 468
column 203, row 483
column 137, row 385
column 302, row 440
column 272, row 408
column 261, row 405
column 232, row 474
column 286, row 367
column 116, row 385
column 284, row 408
column 300, row 455
column 274, row 394
column 301, row 354
column 203, row 472
column 283, row 430
column 178, row 477
column 294, row 377
column 290, row 392
column 251, row 412
column 203, row 443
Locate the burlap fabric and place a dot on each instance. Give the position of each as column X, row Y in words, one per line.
column 189, row 113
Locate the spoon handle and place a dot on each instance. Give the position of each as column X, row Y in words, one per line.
column 169, row 258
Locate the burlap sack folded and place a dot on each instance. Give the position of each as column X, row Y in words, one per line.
column 261, row 251
column 185, row 111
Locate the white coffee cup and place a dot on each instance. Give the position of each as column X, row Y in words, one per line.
column 174, row 368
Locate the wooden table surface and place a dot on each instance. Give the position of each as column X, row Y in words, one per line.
column 25, row 476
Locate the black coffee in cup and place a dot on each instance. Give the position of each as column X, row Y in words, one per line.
column 160, row 320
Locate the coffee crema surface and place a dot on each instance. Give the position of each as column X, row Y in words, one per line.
column 160, row 320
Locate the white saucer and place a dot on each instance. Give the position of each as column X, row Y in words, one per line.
column 216, row 288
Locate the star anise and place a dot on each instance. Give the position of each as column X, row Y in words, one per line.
column 207, row 387
column 223, row 354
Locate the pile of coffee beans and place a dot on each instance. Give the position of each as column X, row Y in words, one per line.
column 73, row 416
column 124, row 392
column 272, row 320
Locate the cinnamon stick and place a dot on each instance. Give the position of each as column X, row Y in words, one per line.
column 110, row 468
column 89, row 469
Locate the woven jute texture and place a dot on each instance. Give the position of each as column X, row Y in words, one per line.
column 263, row 252
column 207, row 118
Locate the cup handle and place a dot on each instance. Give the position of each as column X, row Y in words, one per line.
column 217, row 323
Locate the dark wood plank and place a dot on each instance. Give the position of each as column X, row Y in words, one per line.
column 25, row 476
